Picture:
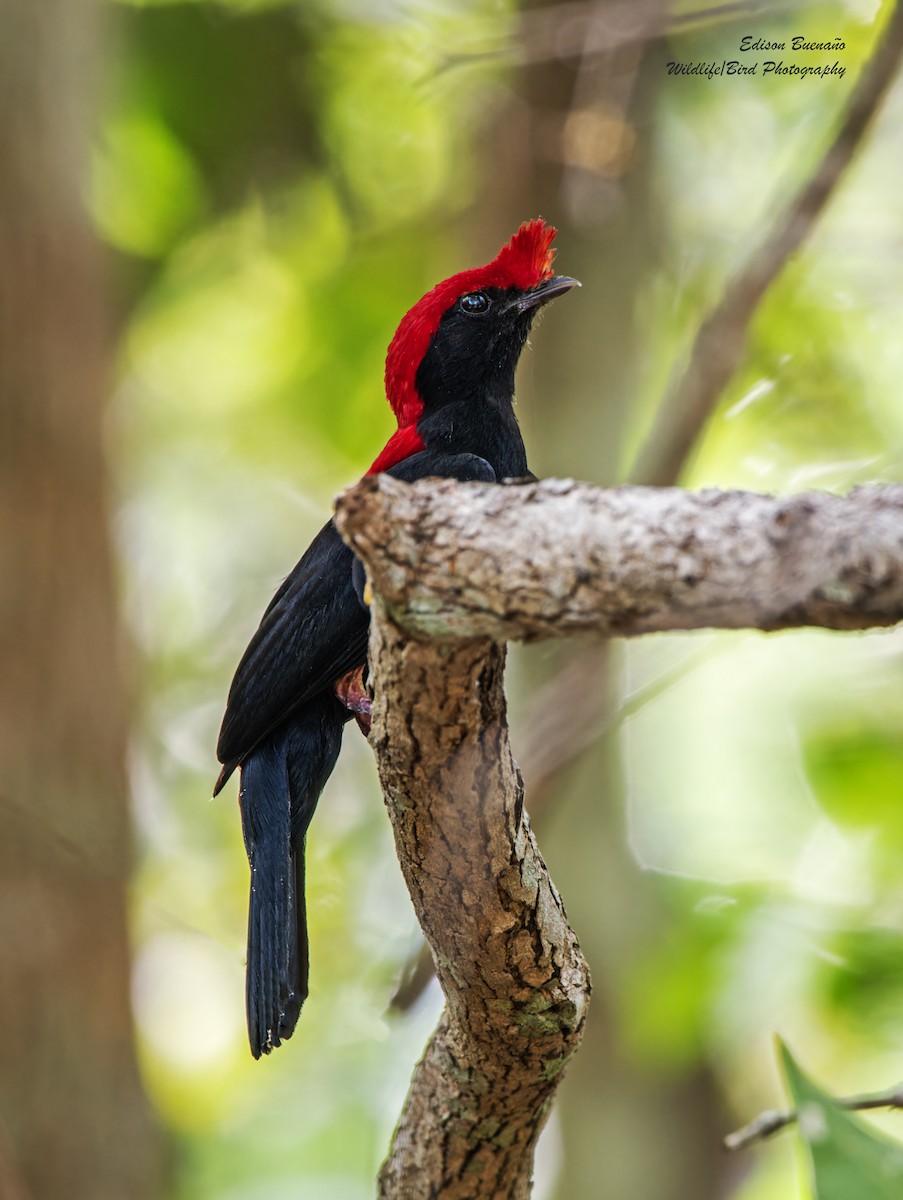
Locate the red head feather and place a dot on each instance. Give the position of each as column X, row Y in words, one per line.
column 522, row 263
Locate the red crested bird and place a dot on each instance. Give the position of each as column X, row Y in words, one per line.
column 450, row 382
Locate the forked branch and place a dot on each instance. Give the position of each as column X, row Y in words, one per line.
column 457, row 570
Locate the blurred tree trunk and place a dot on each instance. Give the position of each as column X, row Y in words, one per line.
column 73, row 1119
column 583, row 161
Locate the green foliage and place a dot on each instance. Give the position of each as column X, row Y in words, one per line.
column 847, row 1159
column 231, row 83
column 146, row 190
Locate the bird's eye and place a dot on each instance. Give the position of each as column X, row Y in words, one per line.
column 474, row 302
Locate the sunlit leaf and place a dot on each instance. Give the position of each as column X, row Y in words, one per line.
column 848, row 1160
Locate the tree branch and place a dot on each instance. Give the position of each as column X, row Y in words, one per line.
column 721, row 338
column 773, row 1120
column 463, row 568
column 515, row 983
column 559, row 558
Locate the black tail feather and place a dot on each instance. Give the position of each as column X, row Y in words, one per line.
column 280, row 785
column 266, row 822
column 291, row 1001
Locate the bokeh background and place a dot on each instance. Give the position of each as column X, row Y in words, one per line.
column 215, row 216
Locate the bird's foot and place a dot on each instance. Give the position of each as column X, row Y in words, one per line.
column 351, row 691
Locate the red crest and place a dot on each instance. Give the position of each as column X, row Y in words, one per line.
column 522, row 263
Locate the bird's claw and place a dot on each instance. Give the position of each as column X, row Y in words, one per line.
column 351, row 691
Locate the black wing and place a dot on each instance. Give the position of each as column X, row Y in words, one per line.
column 313, row 632
column 314, row 629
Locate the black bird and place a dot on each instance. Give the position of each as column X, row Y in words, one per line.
column 450, row 382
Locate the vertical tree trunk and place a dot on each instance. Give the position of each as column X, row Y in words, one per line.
column 73, row 1120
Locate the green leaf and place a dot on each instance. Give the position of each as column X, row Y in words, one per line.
column 848, row 1160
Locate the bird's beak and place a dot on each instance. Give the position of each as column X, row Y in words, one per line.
column 556, row 285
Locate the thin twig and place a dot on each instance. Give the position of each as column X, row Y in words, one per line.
column 773, row 1120
column 720, row 341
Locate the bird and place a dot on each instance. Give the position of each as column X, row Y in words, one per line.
column 449, row 379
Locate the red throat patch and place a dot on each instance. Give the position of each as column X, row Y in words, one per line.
column 401, row 445
column 523, row 263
